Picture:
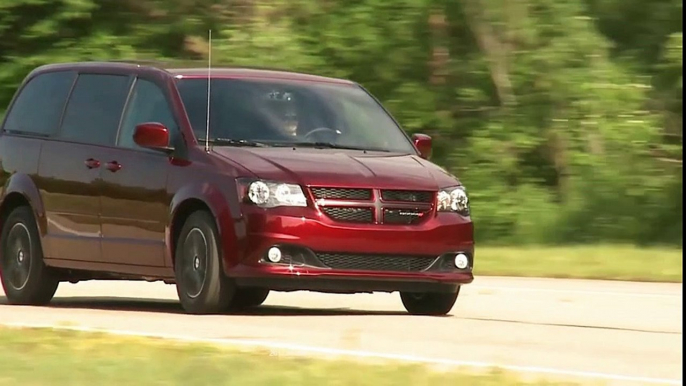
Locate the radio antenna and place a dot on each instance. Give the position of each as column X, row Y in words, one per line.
column 209, row 77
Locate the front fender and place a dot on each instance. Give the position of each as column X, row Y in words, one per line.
column 223, row 203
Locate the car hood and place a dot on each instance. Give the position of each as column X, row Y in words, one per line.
column 342, row 168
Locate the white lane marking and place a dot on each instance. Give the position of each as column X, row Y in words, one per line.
column 587, row 292
column 358, row 354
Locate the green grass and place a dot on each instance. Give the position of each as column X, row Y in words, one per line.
column 59, row 357
column 610, row 262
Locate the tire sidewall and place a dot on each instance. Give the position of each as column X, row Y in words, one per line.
column 39, row 283
column 217, row 289
column 430, row 303
column 247, row 297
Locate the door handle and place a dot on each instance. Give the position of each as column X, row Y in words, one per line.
column 113, row 166
column 92, row 163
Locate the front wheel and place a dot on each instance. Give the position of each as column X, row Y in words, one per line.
column 25, row 277
column 429, row 303
column 201, row 284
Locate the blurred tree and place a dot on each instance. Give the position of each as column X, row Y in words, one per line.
column 563, row 118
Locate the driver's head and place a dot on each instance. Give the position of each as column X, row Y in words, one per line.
column 282, row 107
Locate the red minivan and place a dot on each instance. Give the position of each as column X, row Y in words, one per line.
column 228, row 186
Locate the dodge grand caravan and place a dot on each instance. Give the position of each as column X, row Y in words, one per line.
column 113, row 170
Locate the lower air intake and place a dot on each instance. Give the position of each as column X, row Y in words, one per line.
column 386, row 263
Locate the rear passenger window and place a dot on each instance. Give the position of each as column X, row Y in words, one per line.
column 38, row 107
column 95, row 108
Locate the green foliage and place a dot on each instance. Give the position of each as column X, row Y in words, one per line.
column 563, row 118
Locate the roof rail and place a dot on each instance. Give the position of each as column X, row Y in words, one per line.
column 179, row 64
column 136, row 61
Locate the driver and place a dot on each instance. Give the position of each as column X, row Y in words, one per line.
column 283, row 109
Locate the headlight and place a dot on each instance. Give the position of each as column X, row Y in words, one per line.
column 453, row 200
column 267, row 194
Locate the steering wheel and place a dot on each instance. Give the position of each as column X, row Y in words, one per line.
column 332, row 132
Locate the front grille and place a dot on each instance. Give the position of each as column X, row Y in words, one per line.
column 342, row 194
column 407, row 196
column 404, row 216
column 358, row 215
column 374, row 206
column 361, row 262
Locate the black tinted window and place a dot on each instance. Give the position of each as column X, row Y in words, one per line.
column 95, row 108
column 38, row 107
column 147, row 104
column 282, row 112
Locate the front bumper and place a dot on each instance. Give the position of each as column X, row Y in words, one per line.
column 322, row 255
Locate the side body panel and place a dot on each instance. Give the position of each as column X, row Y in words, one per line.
column 71, row 196
column 134, row 207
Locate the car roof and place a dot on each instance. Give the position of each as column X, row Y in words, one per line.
column 192, row 69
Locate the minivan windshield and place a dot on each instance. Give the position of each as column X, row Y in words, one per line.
column 251, row 112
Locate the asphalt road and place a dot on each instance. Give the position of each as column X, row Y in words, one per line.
column 615, row 332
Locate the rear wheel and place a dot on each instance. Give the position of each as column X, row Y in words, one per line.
column 25, row 277
column 201, row 284
column 247, row 297
column 429, row 303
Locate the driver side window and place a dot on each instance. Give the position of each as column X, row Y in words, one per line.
column 147, row 104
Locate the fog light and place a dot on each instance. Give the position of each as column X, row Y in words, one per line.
column 274, row 254
column 461, row 261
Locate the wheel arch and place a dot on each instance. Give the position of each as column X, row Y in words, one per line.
column 21, row 190
column 218, row 203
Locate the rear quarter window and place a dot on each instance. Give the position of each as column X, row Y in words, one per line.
column 38, row 107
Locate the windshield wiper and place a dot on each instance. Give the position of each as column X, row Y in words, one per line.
column 327, row 145
column 233, row 142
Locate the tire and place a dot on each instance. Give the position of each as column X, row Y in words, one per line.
column 430, row 303
column 25, row 277
column 248, row 297
column 201, row 284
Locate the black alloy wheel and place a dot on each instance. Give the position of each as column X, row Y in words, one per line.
column 25, row 277
column 201, row 284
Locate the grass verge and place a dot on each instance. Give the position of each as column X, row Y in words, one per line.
column 610, row 262
column 60, row 357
